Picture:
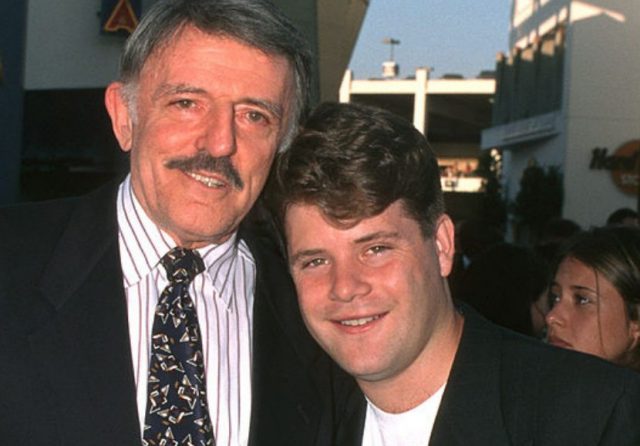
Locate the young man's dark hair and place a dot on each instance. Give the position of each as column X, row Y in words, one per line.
column 354, row 161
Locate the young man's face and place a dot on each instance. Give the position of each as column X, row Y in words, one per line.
column 374, row 294
column 211, row 95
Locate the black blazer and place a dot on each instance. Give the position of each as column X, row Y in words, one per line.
column 65, row 358
column 505, row 389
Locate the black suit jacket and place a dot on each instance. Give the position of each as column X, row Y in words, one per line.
column 505, row 389
column 65, row 358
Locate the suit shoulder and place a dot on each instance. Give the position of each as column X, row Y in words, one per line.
column 546, row 383
column 28, row 217
column 29, row 229
column 534, row 359
column 30, row 233
column 562, row 377
column 546, row 358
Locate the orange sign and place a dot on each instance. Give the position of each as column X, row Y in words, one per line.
column 626, row 178
column 122, row 17
column 624, row 165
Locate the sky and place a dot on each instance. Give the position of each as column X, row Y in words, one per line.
column 449, row 36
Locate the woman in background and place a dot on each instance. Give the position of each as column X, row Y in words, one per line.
column 595, row 295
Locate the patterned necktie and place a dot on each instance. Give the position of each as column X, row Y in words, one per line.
column 177, row 412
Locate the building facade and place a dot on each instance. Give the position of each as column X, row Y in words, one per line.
column 568, row 98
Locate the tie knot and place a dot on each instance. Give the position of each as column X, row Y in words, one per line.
column 182, row 265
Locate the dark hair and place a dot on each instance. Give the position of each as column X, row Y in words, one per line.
column 613, row 252
column 477, row 235
column 353, row 161
column 502, row 283
column 618, row 216
column 554, row 233
column 257, row 23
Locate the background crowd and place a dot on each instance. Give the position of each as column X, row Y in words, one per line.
column 576, row 288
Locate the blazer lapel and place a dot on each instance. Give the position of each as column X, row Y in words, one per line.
column 470, row 411
column 84, row 350
column 351, row 419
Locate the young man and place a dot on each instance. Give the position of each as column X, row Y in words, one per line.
column 369, row 248
column 142, row 313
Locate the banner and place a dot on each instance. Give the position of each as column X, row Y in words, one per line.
column 119, row 16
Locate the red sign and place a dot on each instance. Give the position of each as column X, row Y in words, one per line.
column 122, row 17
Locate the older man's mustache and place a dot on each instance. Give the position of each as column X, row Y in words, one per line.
column 203, row 161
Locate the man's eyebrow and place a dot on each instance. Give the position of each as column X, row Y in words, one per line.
column 169, row 89
column 377, row 235
column 304, row 253
column 274, row 109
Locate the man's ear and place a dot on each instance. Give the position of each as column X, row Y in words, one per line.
column 634, row 333
column 118, row 110
column 444, row 241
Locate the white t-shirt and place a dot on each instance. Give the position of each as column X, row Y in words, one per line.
column 410, row 428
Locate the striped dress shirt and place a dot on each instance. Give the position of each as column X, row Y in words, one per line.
column 223, row 297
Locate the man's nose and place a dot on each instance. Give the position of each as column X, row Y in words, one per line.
column 349, row 283
column 218, row 136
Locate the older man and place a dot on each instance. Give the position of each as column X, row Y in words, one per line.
column 142, row 314
column 370, row 247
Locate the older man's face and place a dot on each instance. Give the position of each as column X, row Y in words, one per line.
column 202, row 98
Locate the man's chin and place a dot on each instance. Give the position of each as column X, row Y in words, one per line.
column 196, row 236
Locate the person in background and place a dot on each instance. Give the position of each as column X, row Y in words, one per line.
column 505, row 284
column 554, row 233
column 623, row 216
column 143, row 314
column 473, row 237
column 369, row 247
column 595, row 295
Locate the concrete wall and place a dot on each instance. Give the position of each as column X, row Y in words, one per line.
column 601, row 99
column 603, row 107
column 340, row 22
column 65, row 48
column 533, row 18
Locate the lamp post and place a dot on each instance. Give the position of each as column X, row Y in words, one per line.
column 391, row 42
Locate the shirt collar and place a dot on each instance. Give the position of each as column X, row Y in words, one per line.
column 143, row 243
column 221, row 264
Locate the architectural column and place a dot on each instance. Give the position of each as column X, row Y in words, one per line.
column 420, row 100
column 345, row 87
